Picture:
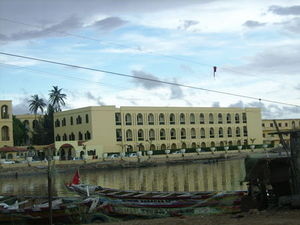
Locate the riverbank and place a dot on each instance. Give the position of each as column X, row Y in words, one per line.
column 30, row 168
column 270, row 217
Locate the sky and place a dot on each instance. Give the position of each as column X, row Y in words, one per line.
column 255, row 46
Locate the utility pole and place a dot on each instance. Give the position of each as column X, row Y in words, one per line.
column 50, row 189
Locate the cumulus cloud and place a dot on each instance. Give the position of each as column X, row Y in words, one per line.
column 293, row 25
column 109, row 23
column 253, row 24
column 146, row 81
column 21, row 107
column 284, row 11
column 97, row 99
column 176, row 91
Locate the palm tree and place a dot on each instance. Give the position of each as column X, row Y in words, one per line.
column 36, row 103
column 56, row 98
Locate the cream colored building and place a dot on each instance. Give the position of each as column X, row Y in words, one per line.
column 111, row 129
column 268, row 127
column 30, row 121
column 6, row 124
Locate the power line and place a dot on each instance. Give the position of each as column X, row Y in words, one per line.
column 147, row 79
column 120, row 45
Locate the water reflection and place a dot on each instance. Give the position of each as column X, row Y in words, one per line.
column 193, row 177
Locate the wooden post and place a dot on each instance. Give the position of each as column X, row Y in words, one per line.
column 50, row 190
column 295, row 158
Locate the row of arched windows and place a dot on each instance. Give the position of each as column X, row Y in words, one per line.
column 34, row 124
column 72, row 137
column 4, row 112
column 140, row 120
column 213, row 133
column 78, row 120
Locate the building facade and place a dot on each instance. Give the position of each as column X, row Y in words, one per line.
column 30, row 121
column 268, row 127
column 124, row 129
column 6, row 123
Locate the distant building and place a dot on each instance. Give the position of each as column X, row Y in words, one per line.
column 102, row 129
column 30, row 121
column 268, row 127
column 6, row 124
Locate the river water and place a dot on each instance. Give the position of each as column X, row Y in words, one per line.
column 221, row 176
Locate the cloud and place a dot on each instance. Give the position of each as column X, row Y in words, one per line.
column 284, row 11
column 293, row 25
column 145, row 83
column 216, row 104
column 176, row 91
column 186, row 68
column 109, row 23
column 187, row 24
column 21, row 107
column 98, row 100
column 253, row 24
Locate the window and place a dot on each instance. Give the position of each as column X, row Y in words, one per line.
column 172, row 119
column 119, row 134
column 57, row 123
column 162, row 134
column 71, row 120
column 245, row 131
column 193, row 133
column 220, row 118
column 271, row 124
column 140, row 135
column 211, row 118
column 64, row 137
column 150, row 119
column 173, row 134
column 202, row 119
column 279, row 124
column 221, row 132
column 211, row 133
column 129, row 135
column 86, row 118
column 5, row 133
column 128, row 120
column 4, row 112
column 182, row 118
column 72, row 137
column 57, row 138
column 118, row 118
column 264, row 135
column 183, row 133
column 263, row 125
column 78, row 120
column 237, row 118
column 202, row 133
column 192, row 118
column 80, row 137
column 286, row 124
column 151, row 135
column 139, row 119
column 244, row 116
column 238, row 132
column 161, row 119
column 228, row 118
column 229, row 132
column 87, row 135
column 293, row 124
column 63, row 122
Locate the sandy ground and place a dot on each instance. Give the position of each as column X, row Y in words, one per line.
column 274, row 217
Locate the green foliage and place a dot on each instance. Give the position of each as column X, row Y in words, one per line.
column 36, row 103
column 56, row 98
column 19, row 132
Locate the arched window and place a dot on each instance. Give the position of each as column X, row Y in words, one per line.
column 228, row 118
column 238, row 132
column 161, row 119
column 150, row 119
column 229, row 132
column 139, row 119
column 230, row 143
column 245, row 131
column 173, row 133
column 239, row 142
column 34, row 124
column 193, row 133
column 244, row 117
column 152, row 147
column 4, row 112
column 192, row 118
column 162, row 134
column 172, row 118
column 86, row 118
column 211, row 118
column 202, row 118
column 118, row 118
column 140, row 135
column 71, row 120
column 237, row 118
column 72, row 137
column 222, row 144
column 63, row 122
column 173, row 146
column 87, row 135
column 163, row 147
column 119, row 134
column 80, row 137
column 129, row 135
column 183, row 133
column 182, row 118
column 293, row 124
column 128, row 120
column 78, row 120
column 64, row 137
column 220, row 118
column 211, row 133
column 202, row 133
column 57, row 138
column 203, row 145
column 5, row 133
column 212, row 144
column 221, row 132
column 151, row 134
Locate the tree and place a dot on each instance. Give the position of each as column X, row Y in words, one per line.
column 36, row 103
column 56, row 98
column 19, row 132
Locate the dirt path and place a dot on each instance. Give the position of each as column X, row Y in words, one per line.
column 283, row 217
